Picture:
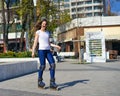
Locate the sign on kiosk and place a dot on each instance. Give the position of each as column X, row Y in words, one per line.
column 95, row 47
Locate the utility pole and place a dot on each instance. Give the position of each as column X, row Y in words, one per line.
column 78, row 34
column 108, row 8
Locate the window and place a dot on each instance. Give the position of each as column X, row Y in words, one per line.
column 55, row 1
column 89, row 14
column 74, row 16
column 73, row 4
column 66, row 0
column 80, row 9
column 73, row 9
column 96, row 14
column 97, row 7
column 88, row 8
column 88, row 2
column 66, row 5
column 79, row 3
column 97, row 1
column 14, row 2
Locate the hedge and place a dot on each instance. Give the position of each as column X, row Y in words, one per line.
column 11, row 54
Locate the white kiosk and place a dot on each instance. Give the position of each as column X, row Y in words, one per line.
column 95, row 47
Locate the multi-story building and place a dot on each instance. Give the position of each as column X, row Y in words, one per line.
column 71, row 36
column 81, row 8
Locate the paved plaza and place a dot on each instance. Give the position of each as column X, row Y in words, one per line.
column 96, row 79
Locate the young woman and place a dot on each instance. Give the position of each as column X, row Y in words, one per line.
column 42, row 37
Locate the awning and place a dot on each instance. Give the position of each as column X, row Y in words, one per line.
column 82, row 38
column 112, row 35
column 68, row 40
column 109, row 35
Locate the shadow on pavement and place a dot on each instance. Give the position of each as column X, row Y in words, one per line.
column 10, row 92
column 72, row 83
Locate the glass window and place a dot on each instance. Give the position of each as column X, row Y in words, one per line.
column 73, row 9
column 97, row 1
column 74, row 16
column 55, row 0
column 89, row 14
column 79, row 3
column 66, row 0
column 80, row 9
column 73, row 4
column 96, row 14
column 88, row 2
column 66, row 5
column 88, row 8
column 97, row 7
column 13, row 2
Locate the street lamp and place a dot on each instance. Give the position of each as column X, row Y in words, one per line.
column 35, row 4
column 15, row 21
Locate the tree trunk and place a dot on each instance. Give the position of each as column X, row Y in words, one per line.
column 8, row 22
column 24, row 22
column 4, row 28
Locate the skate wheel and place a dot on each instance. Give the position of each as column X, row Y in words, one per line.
column 42, row 87
column 56, row 89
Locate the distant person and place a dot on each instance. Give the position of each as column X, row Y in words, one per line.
column 82, row 53
column 42, row 36
column 55, row 53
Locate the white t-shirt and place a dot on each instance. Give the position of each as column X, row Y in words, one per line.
column 43, row 40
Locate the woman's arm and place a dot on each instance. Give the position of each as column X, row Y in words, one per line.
column 34, row 45
column 56, row 46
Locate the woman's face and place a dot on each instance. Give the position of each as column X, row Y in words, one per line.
column 44, row 24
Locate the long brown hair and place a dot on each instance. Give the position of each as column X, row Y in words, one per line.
column 39, row 23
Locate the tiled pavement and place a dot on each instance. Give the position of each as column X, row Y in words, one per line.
column 97, row 79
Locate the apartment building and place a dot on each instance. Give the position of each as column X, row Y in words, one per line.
column 82, row 8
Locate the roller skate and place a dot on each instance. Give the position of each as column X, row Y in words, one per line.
column 53, row 85
column 41, row 84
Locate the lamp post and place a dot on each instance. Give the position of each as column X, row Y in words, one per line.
column 15, row 21
column 35, row 4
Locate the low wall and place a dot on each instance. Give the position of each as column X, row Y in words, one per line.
column 14, row 68
column 66, row 54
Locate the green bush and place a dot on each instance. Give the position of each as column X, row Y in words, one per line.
column 11, row 54
column 7, row 55
column 23, row 54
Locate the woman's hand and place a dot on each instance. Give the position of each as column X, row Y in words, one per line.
column 33, row 54
column 58, row 47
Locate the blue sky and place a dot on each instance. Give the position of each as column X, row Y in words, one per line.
column 115, row 6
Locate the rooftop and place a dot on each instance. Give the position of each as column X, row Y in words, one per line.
column 89, row 22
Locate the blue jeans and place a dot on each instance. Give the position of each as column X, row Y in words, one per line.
column 43, row 55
